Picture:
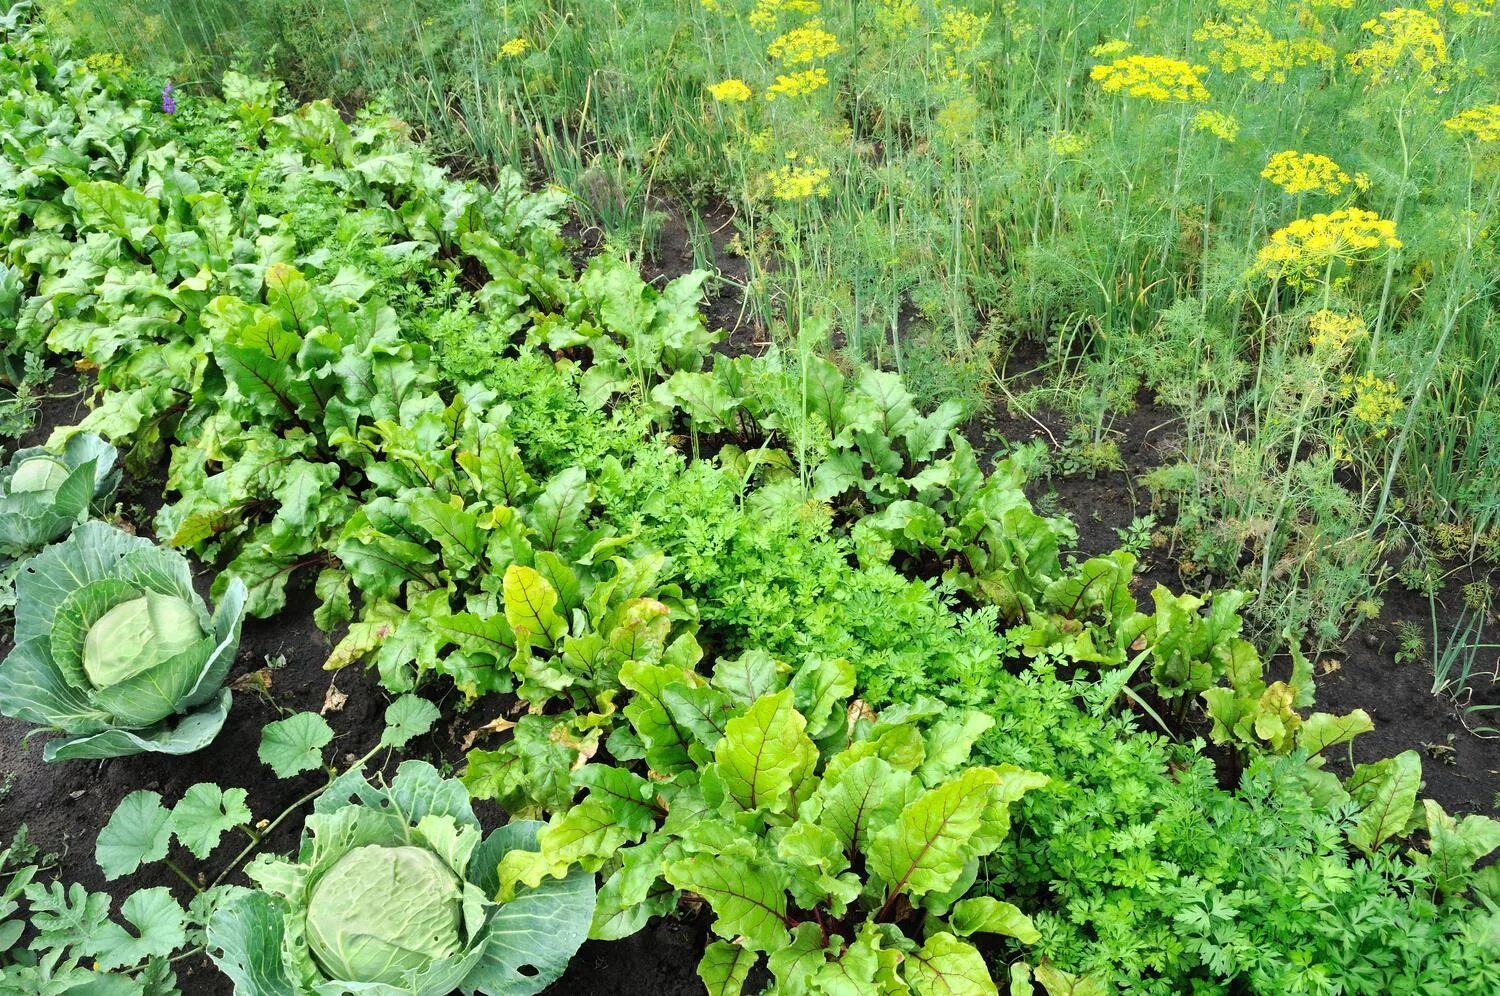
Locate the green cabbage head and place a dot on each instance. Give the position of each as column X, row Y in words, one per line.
column 44, row 472
column 391, row 894
column 44, row 493
column 382, row 913
column 115, row 649
column 137, row 636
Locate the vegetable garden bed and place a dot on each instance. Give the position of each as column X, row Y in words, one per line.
column 799, row 686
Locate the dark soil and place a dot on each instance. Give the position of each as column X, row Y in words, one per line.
column 1460, row 763
column 673, row 253
column 660, row 960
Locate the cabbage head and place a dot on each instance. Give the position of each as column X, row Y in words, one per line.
column 44, row 493
column 381, row 913
column 114, row 648
column 390, row 894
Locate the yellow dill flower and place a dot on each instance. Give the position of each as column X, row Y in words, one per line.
column 515, row 47
column 957, row 119
column 808, row 43
column 798, row 84
column 1217, row 123
column 897, row 17
column 1481, row 122
column 1113, row 47
column 1304, row 172
column 1302, row 10
column 1465, row 8
column 1330, row 331
column 1064, row 144
column 959, row 35
column 765, row 12
column 107, row 64
column 1400, row 36
column 1302, row 252
column 1377, row 401
column 1156, row 77
column 1362, row 181
column 961, row 30
column 709, row 5
column 1242, row 44
column 800, row 178
column 730, row 91
column 760, row 142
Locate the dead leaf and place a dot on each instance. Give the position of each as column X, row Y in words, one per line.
column 859, row 709
column 585, row 748
column 497, row 725
column 254, row 682
column 333, row 700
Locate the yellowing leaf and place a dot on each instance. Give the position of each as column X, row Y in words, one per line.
column 531, row 606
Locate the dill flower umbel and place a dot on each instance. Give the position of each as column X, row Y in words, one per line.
column 1217, row 123
column 1242, row 44
column 1377, row 401
column 800, row 178
column 798, row 84
column 808, row 43
column 957, row 120
column 1403, row 35
column 962, row 29
column 1156, row 77
column 765, row 12
column 730, row 91
column 897, row 17
column 514, row 48
column 1065, row 144
column 1105, row 50
column 1304, row 172
column 1303, row 251
column 1481, row 122
column 107, row 64
column 959, row 36
column 1330, row 331
column 1465, row 8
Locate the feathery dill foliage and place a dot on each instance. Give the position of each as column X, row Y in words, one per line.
column 943, row 179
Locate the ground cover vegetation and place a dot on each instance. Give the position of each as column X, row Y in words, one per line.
column 1278, row 218
column 770, row 637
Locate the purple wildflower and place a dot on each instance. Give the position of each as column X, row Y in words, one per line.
column 168, row 102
